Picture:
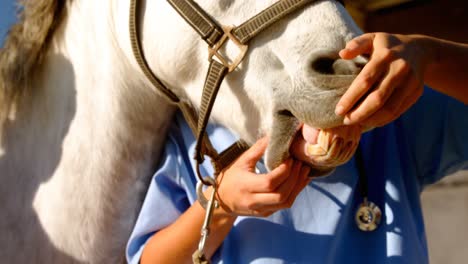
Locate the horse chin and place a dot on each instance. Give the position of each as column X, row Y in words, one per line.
column 281, row 135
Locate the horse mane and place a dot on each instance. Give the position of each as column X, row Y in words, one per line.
column 25, row 46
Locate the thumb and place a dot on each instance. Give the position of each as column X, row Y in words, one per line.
column 254, row 153
column 363, row 44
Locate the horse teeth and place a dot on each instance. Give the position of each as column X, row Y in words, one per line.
column 316, row 150
column 330, row 149
column 324, row 139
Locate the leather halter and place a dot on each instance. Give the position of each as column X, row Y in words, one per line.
column 215, row 36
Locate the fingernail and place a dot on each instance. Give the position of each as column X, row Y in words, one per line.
column 347, row 121
column 339, row 110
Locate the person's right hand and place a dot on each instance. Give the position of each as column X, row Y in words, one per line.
column 243, row 192
column 389, row 84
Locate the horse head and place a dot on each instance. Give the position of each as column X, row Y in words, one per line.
column 290, row 78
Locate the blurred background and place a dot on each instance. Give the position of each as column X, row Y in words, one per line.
column 440, row 18
column 445, row 204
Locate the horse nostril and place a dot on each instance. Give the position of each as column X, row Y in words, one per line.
column 323, row 65
column 336, row 66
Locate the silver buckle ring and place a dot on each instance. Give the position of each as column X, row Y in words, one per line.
column 201, row 196
column 214, row 51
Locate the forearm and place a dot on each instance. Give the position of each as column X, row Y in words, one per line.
column 447, row 66
column 177, row 242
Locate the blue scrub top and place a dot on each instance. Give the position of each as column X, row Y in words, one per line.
column 7, row 18
column 425, row 144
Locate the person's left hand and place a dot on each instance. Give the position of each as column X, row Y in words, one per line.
column 389, row 84
column 241, row 191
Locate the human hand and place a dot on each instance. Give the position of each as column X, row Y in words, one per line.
column 388, row 85
column 243, row 192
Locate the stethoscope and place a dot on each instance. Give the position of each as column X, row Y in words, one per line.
column 368, row 214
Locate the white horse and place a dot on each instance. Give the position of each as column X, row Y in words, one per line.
column 81, row 128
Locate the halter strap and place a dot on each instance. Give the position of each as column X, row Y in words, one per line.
column 196, row 122
column 267, row 17
column 139, row 55
column 216, row 73
column 198, row 19
column 210, row 31
column 215, row 36
column 214, row 78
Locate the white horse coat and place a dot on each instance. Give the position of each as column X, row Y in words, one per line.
column 84, row 130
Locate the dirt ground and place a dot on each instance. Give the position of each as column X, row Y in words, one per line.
column 445, row 207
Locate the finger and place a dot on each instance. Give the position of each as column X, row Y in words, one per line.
column 357, row 46
column 398, row 72
column 262, row 183
column 302, row 181
column 251, row 156
column 363, row 83
column 280, row 194
column 411, row 97
column 350, row 147
column 396, row 106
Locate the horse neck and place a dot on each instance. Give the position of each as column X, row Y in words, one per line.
column 84, row 140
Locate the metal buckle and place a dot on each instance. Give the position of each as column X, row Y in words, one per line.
column 214, row 50
column 200, row 196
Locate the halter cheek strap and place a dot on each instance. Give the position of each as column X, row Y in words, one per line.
column 137, row 50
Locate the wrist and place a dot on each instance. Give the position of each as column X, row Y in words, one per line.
column 221, row 213
column 434, row 54
column 426, row 53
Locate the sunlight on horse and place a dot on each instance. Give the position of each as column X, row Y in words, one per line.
column 81, row 129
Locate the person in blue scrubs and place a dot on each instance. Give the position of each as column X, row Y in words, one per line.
column 410, row 152
column 7, row 18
